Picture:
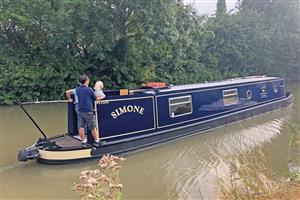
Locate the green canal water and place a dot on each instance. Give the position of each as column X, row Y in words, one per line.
column 182, row 169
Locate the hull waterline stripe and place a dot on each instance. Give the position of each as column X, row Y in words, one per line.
column 65, row 155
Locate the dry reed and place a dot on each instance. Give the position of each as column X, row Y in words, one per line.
column 249, row 178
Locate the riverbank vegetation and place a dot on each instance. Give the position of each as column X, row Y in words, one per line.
column 46, row 44
column 250, row 176
column 102, row 183
column 295, row 143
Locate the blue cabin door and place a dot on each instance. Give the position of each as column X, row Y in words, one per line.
column 125, row 117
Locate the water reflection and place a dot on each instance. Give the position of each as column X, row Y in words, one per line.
column 187, row 168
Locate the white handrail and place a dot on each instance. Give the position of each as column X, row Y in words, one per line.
column 38, row 102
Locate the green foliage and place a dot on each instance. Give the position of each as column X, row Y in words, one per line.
column 46, row 44
column 280, row 22
column 295, row 176
column 239, row 45
column 221, row 8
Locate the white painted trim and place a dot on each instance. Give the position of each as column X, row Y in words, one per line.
column 156, row 110
column 154, row 124
column 180, row 97
column 96, row 115
column 98, row 102
column 234, row 92
column 174, row 104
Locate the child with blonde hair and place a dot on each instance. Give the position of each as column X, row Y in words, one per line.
column 98, row 90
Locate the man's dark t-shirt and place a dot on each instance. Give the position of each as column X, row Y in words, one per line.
column 86, row 98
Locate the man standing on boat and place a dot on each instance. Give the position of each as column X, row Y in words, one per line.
column 86, row 98
column 69, row 93
column 98, row 93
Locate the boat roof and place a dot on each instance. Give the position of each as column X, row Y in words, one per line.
column 233, row 81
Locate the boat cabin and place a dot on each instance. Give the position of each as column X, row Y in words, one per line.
column 158, row 107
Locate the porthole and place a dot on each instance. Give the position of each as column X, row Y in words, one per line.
column 249, row 94
column 275, row 88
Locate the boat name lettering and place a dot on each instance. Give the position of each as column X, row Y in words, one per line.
column 129, row 108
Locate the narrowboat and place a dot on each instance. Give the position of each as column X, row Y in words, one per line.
column 132, row 119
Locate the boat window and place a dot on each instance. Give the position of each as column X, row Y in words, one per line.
column 230, row 97
column 179, row 106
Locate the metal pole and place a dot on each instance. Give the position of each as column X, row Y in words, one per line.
column 37, row 102
column 33, row 121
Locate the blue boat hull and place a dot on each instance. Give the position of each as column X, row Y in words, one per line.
column 130, row 144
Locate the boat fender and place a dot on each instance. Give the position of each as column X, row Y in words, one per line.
column 156, row 85
column 93, row 151
column 25, row 155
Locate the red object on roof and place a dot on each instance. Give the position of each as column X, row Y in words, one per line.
column 156, row 84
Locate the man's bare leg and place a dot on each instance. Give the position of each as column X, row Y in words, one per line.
column 82, row 134
column 95, row 134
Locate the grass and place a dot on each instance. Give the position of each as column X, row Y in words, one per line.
column 249, row 178
column 295, row 141
column 252, row 180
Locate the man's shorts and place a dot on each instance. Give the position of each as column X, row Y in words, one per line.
column 87, row 120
